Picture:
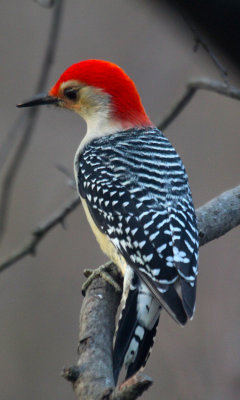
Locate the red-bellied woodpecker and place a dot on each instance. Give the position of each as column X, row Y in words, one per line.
column 135, row 193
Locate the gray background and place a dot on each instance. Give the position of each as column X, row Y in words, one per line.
column 40, row 297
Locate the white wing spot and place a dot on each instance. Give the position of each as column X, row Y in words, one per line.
column 134, row 231
column 139, row 332
column 156, row 272
column 148, row 258
column 161, row 248
column 195, row 270
column 142, row 243
column 145, row 226
column 180, row 256
column 153, row 235
column 167, row 232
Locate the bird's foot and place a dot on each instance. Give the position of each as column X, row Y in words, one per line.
column 103, row 272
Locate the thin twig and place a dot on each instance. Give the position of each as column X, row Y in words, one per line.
column 215, row 86
column 46, row 3
column 71, row 182
column 215, row 218
column 191, row 88
column 13, row 133
column 29, row 248
column 32, row 115
column 199, row 40
column 177, row 108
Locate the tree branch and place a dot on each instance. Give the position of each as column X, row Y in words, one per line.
column 29, row 248
column 95, row 339
column 215, row 218
column 45, row 3
column 215, row 86
column 199, row 40
column 31, row 119
column 219, row 215
column 191, row 89
column 93, row 376
column 132, row 388
column 177, row 108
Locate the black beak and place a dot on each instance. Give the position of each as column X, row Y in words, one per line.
column 40, row 99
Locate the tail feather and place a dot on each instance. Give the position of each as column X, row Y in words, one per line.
column 174, row 306
column 144, row 350
column 169, row 299
column 137, row 328
column 189, row 297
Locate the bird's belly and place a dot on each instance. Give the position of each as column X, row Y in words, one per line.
column 104, row 241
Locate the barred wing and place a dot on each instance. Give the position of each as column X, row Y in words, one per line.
column 137, row 192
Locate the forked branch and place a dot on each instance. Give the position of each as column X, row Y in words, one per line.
column 215, row 218
column 191, row 89
column 93, row 376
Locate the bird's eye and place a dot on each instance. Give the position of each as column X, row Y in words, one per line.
column 71, row 93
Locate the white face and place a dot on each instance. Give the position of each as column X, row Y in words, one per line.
column 93, row 105
column 89, row 102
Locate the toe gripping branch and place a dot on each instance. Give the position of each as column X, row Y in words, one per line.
column 108, row 272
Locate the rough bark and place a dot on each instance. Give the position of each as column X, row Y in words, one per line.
column 93, row 376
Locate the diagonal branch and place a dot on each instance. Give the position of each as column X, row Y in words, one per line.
column 31, row 119
column 177, row 108
column 191, row 89
column 92, row 378
column 45, row 3
column 199, row 40
column 219, row 216
column 215, row 218
column 93, row 375
column 29, row 248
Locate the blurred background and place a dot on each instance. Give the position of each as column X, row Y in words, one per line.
column 40, row 297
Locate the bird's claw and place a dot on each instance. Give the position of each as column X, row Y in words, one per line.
column 103, row 272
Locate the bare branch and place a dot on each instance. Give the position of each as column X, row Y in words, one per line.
column 45, row 3
column 29, row 248
column 192, row 86
column 71, row 182
column 215, row 218
column 219, row 215
column 215, row 86
column 94, row 366
column 9, row 140
column 201, row 41
column 93, row 376
column 31, row 119
column 132, row 388
column 177, row 108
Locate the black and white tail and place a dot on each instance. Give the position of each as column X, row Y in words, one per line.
column 137, row 326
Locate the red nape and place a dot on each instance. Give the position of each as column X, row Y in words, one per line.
column 114, row 81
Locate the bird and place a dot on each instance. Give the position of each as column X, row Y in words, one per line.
column 136, row 196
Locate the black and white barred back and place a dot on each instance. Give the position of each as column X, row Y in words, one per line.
column 137, row 192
